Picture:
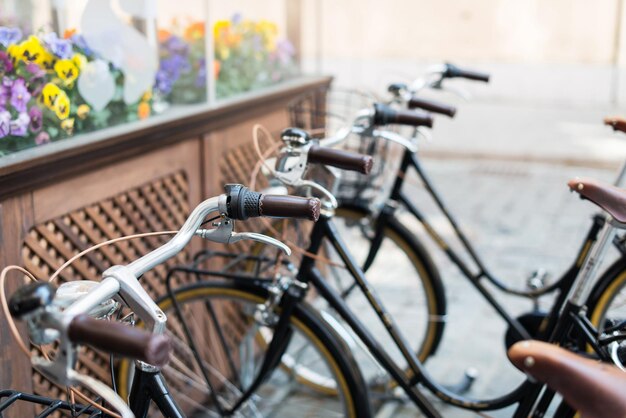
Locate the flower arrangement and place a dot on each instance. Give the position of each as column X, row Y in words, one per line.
column 249, row 55
column 40, row 100
column 182, row 66
column 50, row 85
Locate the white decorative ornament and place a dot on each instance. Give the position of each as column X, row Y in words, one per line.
column 96, row 84
column 115, row 40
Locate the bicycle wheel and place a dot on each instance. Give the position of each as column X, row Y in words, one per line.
column 606, row 305
column 231, row 341
column 417, row 300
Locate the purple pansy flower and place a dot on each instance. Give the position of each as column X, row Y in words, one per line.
column 164, row 82
column 19, row 95
column 9, row 36
column 5, row 92
column 5, row 95
column 5, row 63
column 176, row 45
column 5, row 123
column 36, row 119
column 19, row 126
column 81, row 42
column 62, row 48
column 42, row 138
column 35, row 70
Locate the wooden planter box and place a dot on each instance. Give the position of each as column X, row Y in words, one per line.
column 62, row 198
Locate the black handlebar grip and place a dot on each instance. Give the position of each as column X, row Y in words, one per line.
column 243, row 203
column 124, row 340
column 431, row 106
column 345, row 160
column 384, row 115
column 30, row 298
column 452, row 71
column 284, row 206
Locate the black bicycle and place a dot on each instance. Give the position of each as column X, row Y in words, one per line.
column 76, row 314
column 566, row 324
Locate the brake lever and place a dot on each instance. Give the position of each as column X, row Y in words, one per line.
column 224, row 234
column 253, row 236
column 425, row 133
column 332, row 199
column 394, row 137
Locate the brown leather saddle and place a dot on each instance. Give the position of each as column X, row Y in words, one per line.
column 617, row 123
column 610, row 198
column 592, row 388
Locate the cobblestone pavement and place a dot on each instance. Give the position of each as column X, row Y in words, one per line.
column 520, row 216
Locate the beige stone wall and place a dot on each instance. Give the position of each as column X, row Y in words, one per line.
column 560, row 51
column 543, row 31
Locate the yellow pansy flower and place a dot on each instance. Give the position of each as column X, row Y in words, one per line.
column 221, row 26
column 82, row 111
column 49, row 95
column 147, row 95
column 79, row 60
column 68, row 125
column 15, row 52
column 62, row 105
column 66, row 70
column 46, row 60
column 32, row 50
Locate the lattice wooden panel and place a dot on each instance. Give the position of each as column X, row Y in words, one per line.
column 157, row 206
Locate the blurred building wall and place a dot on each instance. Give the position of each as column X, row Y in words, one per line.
column 557, row 51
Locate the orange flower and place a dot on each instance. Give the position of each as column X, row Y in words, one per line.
column 194, row 31
column 217, row 66
column 69, row 33
column 143, row 111
column 163, row 34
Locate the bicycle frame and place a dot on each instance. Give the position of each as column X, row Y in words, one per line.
column 151, row 386
column 571, row 317
column 526, row 394
column 563, row 285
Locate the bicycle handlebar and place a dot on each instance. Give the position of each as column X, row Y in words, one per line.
column 342, row 159
column 431, row 106
column 116, row 338
column 385, row 115
column 617, row 123
column 243, row 203
column 452, row 71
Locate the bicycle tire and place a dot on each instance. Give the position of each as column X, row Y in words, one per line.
column 399, row 240
column 412, row 257
column 607, row 300
column 306, row 322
